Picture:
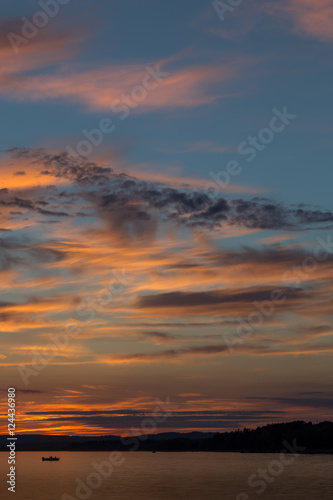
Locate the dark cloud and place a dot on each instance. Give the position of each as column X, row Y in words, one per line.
column 14, row 253
column 125, row 419
column 190, row 324
column 49, row 213
column 134, row 207
column 147, row 412
column 212, row 297
column 314, row 402
column 64, row 166
column 29, row 205
column 159, row 337
column 4, row 305
column 254, row 349
column 273, row 257
column 315, row 331
column 174, row 353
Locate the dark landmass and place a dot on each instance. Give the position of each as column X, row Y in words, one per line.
column 314, row 438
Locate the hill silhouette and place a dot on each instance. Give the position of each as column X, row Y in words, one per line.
column 314, row 438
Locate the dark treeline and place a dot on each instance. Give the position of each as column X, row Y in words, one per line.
column 315, row 438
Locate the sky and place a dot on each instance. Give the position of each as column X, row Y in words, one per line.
column 166, row 230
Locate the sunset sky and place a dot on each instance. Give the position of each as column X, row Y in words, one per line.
column 166, row 214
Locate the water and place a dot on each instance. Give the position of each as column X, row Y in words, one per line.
column 170, row 476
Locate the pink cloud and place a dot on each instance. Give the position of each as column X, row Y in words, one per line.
column 99, row 89
column 40, row 70
column 38, row 53
column 310, row 18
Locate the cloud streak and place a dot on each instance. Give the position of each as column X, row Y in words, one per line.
column 107, row 87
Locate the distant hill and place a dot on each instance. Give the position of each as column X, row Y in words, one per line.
column 314, row 438
column 162, row 436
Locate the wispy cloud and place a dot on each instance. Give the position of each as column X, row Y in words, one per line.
column 310, row 19
column 39, row 72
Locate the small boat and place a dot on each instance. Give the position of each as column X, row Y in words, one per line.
column 50, row 459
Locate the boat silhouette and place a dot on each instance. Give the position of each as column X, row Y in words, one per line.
column 50, row 459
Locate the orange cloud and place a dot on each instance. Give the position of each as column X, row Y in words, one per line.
column 18, row 174
column 99, row 89
column 148, row 85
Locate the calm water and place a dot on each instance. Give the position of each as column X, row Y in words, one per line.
column 170, row 476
